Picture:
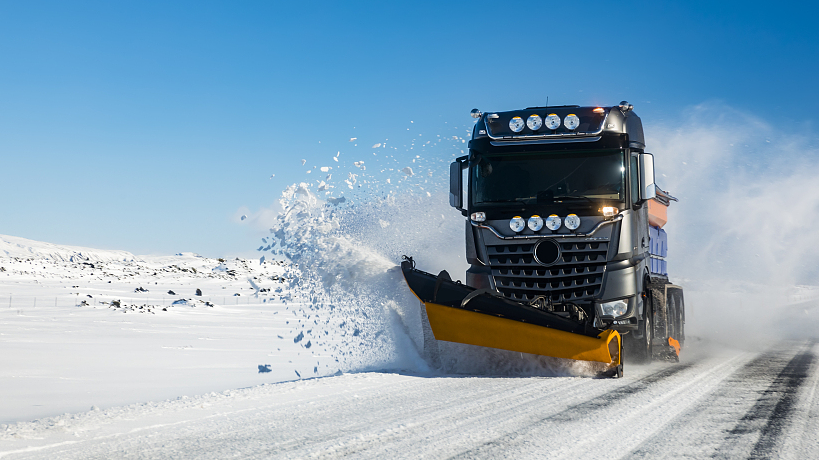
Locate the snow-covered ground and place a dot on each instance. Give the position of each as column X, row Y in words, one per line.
column 82, row 328
column 726, row 404
column 264, row 364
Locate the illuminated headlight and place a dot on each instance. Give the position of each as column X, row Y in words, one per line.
column 615, row 308
column 608, row 211
column 571, row 122
column 534, row 122
column 572, row 222
column 553, row 121
column 478, row 216
column 535, row 223
column 553, row 222
column 516, row 124
column 517, row 224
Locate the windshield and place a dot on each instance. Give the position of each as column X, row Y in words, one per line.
column 544, row 178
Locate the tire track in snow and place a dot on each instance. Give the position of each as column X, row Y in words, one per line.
column 710, row 428
column 800, row 441
column 771, row 410
column 585, row 409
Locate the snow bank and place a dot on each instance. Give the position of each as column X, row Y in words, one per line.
column 12, row 246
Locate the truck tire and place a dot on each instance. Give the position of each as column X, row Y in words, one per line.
column 639, row 349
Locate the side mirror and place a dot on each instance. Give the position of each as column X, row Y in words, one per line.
column 647, row 188
column 456, row 185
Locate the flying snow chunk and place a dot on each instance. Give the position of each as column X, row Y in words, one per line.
column 303, row 162
column 272, row 176
column 325, row 168
column 261, row 261
column 244, row 217
column 352, row 139
column 375, row 146
column 407, row 171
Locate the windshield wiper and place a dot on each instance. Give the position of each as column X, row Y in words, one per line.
column 573, row 198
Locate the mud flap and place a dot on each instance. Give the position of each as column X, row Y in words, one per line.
column 668, row 321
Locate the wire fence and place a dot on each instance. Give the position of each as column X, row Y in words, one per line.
column 11, row 301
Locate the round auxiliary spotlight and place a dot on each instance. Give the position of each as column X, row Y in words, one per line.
column 534, row 122
column 552, row 121
column 535, row 223
column 517, row 224
column 516, row 124
column 571, row 122
column 547, row 252
column 572, row 222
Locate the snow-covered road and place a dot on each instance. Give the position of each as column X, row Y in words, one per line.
column 723, row 404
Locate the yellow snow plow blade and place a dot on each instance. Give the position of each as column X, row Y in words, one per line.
column 462, row 314
column 463, row 326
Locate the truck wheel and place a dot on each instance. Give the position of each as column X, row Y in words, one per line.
column 639, row 349
column 642, row 347
column 646, row 351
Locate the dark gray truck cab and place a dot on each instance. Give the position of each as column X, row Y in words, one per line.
column 557, row 217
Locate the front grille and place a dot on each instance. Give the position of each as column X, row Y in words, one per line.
column 576, row 275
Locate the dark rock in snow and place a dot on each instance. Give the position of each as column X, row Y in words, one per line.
column 264, row 368
column 115, row 303
column 199, row 292
column 171, row 293
column 140, row 289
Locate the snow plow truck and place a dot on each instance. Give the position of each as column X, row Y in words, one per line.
column 565, row 241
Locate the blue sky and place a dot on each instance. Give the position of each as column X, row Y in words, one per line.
column 146, row 126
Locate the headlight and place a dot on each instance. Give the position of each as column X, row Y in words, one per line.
column 615, row 308
column 553, row 121
column 516, row 124
column 517, row 224
column 571, row 122
column 535, row 223
column 572, row 221
column 553, row 222
column 478, row 216
column 534, row 122
column 608, row 211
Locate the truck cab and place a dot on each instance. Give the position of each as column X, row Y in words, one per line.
column 556, row 201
